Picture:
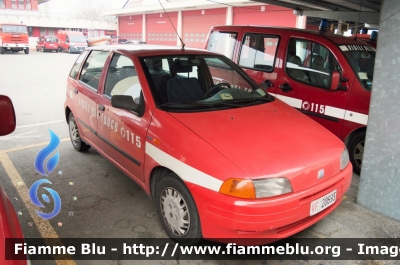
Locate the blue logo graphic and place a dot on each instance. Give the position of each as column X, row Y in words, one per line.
column 45, row 152
column 45, row 169
column 35, row 200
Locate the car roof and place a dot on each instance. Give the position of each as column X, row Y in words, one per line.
column 152, row 50
column 337, row 39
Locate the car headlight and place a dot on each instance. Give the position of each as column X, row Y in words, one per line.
column 256, row 189
column 344, row 159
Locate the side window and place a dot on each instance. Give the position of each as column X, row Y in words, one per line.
column 311, row 63
column 259, row 52
column 92, row 68
column 222, row 42
column 122, row 78
column 77, row 65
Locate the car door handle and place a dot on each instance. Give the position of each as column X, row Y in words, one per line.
column 267, row 84
column 102, row 108
column 75, row 91
column 286, row 87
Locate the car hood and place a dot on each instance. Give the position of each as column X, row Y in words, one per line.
column 270, row 140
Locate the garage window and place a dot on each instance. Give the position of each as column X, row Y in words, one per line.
column 222, row 42
column 92, row 68
column 259, row 52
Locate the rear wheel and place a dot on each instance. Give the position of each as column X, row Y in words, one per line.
column 356, row 150
column 177, row 210
column 1, row 50
column 26, row 51
column 74, row 135
column 37, row 49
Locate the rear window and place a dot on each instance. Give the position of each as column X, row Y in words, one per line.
column 77, row 65
column 51, row 40
column 259, row 52
column 222, row 42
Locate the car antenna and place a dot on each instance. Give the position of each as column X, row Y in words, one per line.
column 183, row 44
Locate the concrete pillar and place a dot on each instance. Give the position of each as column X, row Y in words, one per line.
column 144, row 28
column 379, row 188
column 229, row 16
column 179, row 29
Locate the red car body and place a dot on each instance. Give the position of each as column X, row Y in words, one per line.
column 9, row 223
column 343, row 110
column 207, row 149
column 47, row 43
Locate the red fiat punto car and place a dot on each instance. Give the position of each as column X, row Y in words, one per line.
column 220, row 156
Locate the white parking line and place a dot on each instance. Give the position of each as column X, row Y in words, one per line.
column 37, row 124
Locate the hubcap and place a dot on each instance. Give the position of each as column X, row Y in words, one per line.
column 73, row 132
column 358, row 153
column 175, row 211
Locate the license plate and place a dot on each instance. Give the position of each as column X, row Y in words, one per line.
column 322, row 203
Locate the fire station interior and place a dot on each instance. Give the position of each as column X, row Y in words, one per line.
column 380, row 174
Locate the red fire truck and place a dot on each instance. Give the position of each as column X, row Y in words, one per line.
column 14, row 38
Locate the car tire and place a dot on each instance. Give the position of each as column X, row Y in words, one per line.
column 26, row 51
column 74, row 135
column 56, row 51
column 1, row 50
column 37, row 49
column 43, row 49
column 356, row 150
column 171, row 195
column 69, row 50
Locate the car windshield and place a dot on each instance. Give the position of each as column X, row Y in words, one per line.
column 362, row 60
column 14, row 29
column 200, row 83
column 77, row 38
column 51, row 40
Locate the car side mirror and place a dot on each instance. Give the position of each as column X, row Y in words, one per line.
column 7, row 116
column 335, row 79
column 126, row 102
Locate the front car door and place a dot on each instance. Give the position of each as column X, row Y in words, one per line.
column 306, row 78
column 122, row 133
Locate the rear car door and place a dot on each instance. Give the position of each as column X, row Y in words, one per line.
column 85, row 95
column 306, row 78
column 122, row 133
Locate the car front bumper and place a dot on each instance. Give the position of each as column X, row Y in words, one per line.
column 234, row 220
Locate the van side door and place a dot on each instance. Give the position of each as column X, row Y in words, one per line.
column 259, row 53
column 305, row 82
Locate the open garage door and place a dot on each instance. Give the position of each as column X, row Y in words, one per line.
column 159, row 28
column 130, row 27
column 197, row 24
column 267, row 15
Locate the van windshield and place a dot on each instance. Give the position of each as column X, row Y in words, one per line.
column 76, row 38
column 362, row 60
column 14, row 29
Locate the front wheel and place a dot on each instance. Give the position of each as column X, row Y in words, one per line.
column 26, row 51
column 177, row 210
column 74, row 135
column 69, row 50
column 356, row 150
column 1, row 50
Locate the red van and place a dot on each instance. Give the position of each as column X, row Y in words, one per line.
column 71, row 41
column 326, row 76
column 47, row 43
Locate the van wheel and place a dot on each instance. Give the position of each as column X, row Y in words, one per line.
column 177, row 210
column 43, row 49
column 74, row 135
column 26, row 51
column 356, row 150
column 1, row 50
column 56, row 51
